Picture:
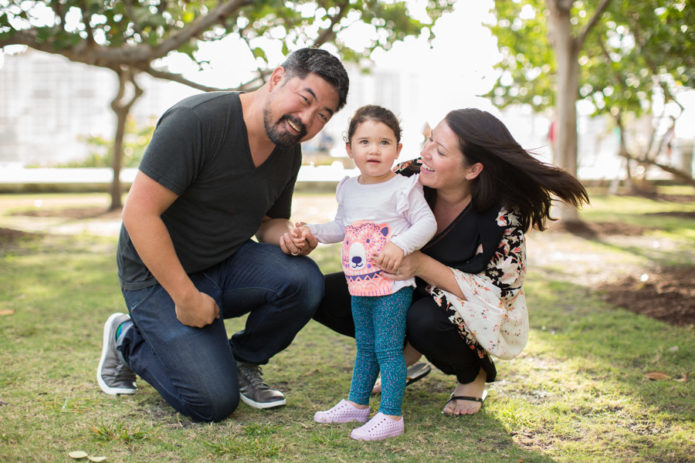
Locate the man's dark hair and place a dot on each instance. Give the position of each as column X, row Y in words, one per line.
column 320, row 62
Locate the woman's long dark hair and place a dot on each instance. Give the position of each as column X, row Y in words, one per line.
column 511, row 176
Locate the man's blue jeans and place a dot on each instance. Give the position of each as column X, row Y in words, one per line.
column 194, row 369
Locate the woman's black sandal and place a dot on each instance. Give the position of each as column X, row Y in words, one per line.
column 453, row 397
column 416, row 372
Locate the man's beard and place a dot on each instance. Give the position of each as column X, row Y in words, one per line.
column 283, row 138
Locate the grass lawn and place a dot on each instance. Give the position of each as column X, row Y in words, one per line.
column 579, row 392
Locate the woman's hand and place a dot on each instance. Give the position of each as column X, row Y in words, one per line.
column 389, row 259
column 409, row 267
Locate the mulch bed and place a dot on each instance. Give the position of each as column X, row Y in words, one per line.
column 666, row 294
column 9, row 236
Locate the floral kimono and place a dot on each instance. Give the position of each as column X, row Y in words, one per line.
column 492, row 318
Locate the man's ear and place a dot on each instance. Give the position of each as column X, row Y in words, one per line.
column 473, row 171
column 276, row 77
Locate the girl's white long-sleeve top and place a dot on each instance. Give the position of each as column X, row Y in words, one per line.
column 368, row 216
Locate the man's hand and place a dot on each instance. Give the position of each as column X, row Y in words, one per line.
column 198, row 311
column 299, row 241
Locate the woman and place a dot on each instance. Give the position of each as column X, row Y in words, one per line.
column 486, row 191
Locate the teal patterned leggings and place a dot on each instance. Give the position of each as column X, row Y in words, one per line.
column 380, row 334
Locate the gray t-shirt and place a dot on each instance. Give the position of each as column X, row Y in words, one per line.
column 200, row 151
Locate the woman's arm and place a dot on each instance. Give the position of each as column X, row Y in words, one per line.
column 432, row 271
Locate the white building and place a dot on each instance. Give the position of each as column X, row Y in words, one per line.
column 48, row 105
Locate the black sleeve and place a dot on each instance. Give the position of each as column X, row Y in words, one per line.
column 174, row 156
column 489, row 236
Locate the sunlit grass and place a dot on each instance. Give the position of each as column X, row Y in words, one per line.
column 659, row 214
column 578, row 392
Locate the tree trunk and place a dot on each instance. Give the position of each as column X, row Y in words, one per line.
column 566, row 55
column 121, row 105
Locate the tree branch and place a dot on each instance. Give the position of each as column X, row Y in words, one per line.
column 59, row 12
column 592, row 23
column 247, row 86
column 260, row 71
column 131, row 14
column 679, row 174
column 128, row 55
column 198, row 26
column 26, row 37
column 668, row 95
column 329, row 32
column 616, row 75
column 181, row 79
column 86, row 20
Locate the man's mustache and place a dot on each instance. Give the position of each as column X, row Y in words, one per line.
column 297, row 123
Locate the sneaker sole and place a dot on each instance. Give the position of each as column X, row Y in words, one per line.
column 104, row 350
column 351, row 420
column 262, row 405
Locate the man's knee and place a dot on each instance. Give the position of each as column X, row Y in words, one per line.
column 307, row 281
column 211, row 408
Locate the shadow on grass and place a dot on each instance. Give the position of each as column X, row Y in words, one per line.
column 315, row 373
column 586, row 364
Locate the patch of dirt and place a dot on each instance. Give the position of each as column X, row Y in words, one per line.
column 680, row 214
column 667, row 294
column 595, row 230
column 8, row 236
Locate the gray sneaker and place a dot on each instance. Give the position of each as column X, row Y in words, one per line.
column 254, row 392
column 113, row 375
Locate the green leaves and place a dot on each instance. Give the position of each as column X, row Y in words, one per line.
column 635, row 49
column 125, row 24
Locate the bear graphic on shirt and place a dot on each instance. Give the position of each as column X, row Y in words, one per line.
column 363, row 239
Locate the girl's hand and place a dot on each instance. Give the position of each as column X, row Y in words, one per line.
column 389, row 259
column 407, row 269
column 299, row 241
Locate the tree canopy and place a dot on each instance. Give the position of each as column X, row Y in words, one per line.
column 136, row 33
column 637, row 49
column 131, row 36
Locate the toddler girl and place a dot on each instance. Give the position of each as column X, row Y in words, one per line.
column 381, row 217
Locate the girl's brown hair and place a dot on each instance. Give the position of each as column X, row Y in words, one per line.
column 374, row 113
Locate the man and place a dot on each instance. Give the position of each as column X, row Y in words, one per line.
column 220, row 168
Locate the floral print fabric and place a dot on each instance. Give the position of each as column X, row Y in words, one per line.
column 492, row 318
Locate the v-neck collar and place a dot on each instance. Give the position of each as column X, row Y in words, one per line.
column 446, row 231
